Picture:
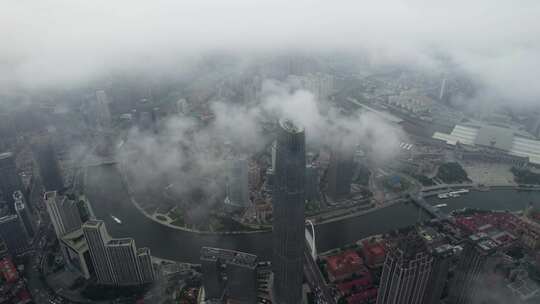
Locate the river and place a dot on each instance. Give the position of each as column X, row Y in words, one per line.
column 108, row 197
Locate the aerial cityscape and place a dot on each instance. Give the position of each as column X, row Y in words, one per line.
column 207, row 152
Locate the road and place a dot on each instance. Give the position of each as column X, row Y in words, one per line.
column 315, row 279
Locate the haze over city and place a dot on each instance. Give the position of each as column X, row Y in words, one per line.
column 359, row 152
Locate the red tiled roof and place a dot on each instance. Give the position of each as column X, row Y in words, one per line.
column 8, row 270
column 362, row 296
column 358, row 283
column 345, row 263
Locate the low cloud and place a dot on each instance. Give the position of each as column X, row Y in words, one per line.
column 189, row 153
column 62, row 43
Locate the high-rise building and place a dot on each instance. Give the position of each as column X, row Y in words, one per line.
column 67, row 212
column 213, row 282
column 240, row 271
column 288, row 200
column 123, row 256
column 117, row 261
column 148, row 274
column 237, row 183
column 478, row 249
column 24, row 214
column 13, row 233
column 442, row 261
column 10, row 181
column 406, row 270
column 102, row 112
column 49, row 167
column 96, row 236
column 340, row 173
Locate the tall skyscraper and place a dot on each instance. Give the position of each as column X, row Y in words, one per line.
column 102, row 112
column 97, row 236
column 24, row 214
column 288, row 201
column 239, row 269
column 117, row 261
column 9, row 179
column 475, row 253
column 406, row 270
column 123, row 256
column 49, row 167
column 340, row 172
column 13, row 233
column 67, row 212
column 442, row 260
column 237, row 183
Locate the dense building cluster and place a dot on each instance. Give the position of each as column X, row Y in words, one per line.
column 455, row 259
column 88, row 248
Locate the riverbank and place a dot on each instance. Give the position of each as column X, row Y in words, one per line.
column 155, row 217
column 109, row 196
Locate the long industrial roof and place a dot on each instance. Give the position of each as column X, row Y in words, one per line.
column 494, row 137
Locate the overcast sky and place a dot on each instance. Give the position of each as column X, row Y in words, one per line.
column 55, row 42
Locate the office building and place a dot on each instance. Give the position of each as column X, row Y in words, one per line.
column 96, row 236
column 10, row 180
column 67, row 212
column 229, row 275
column 49, row 167
column 148, row 273
column 124, row 262
column 237, row 183
column 288, row 200
column 13, row 233
column 406, row 270
column 117, row 261
column 340, row 173
column 24, row 214
column 476, row 252
column 213, row 281
column 442, row 261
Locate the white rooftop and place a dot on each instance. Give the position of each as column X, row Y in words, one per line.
column 495, row 137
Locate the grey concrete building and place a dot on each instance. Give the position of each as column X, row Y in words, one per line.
column 96, row 236
column 406, row 270
column 10, row 180
column 229, row 276
column 124, row 261
column 24, row 214
column 13, row 233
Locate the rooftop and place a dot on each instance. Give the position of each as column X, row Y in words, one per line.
column 75, row 240
column 229, row 256
column 345, row 263
column 144, row 250
column 495, row 137
column 499, row 138
column 290, row 126
column 93, row 223
column 121, row 242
